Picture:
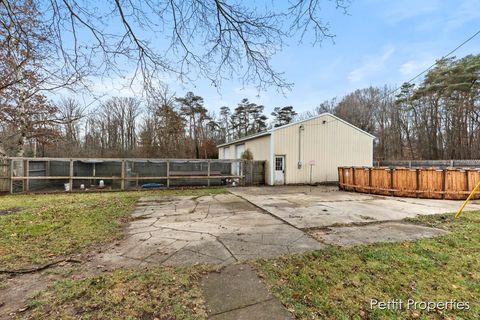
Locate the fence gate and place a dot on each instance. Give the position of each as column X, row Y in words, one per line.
column 253, row 172
column 4, row 175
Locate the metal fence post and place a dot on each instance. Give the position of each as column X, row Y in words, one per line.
column 122, row 183
column 208, row 172
column 11, row 176
column 168, row 173
column 70, row 180
column 26, row 169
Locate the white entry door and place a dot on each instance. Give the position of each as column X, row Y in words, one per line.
column 279, row 170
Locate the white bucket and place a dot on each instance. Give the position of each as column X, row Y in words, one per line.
column 67, row 186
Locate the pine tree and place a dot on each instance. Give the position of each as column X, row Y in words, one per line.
column 283, row 115
column 191, row 107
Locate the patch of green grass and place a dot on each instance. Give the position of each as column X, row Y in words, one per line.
column 54, row 225
column 338, row 283
column 160, row 293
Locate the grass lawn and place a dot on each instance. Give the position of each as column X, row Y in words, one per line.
column 163, row 293
column 46, row 227
column 338, row 283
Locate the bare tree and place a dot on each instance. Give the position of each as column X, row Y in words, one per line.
column 25, row 71
column 112, row 129
column 163, row 132
column 48, row 45
column 72, row 113
column 215, row 39
column 29, row 48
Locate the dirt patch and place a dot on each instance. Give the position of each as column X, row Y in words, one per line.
column 10, row 211
column 90, row 291
column 12, row 297
column 19, row 288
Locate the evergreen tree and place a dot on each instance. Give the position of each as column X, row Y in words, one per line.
column 192, row 109
column 248, row 118
column 283, row 116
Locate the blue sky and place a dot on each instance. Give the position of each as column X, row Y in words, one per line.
column 377, row 43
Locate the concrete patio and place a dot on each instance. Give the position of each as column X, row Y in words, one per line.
column 220, row 229
column 322, row 206
column 252, row 222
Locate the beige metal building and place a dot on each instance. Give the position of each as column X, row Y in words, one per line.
column 306, row 151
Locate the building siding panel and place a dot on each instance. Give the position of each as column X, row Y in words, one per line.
column 326, row 140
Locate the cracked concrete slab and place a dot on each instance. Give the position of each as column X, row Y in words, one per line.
column 313, row 207
column 261, row 223
column 237, row 293
column 375, row 232
column 220, row 229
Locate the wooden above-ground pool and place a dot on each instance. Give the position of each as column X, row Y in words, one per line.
column 434, row 183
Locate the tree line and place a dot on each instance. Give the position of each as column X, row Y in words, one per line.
column 162, row 125
column 438, row 118
column 51, row 45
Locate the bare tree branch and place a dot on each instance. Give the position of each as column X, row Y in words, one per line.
column 190, row 39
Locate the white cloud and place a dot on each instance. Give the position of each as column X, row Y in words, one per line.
column 413, row 67
column 468, row 10
column 398, row 11
column 371, row 65
column 439, row 17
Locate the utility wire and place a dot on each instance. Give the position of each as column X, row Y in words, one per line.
column 434, row 64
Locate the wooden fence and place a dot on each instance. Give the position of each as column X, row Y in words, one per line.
column 53, row 174
column 449, row 183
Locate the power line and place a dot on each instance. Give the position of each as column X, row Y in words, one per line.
column 434, row 64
